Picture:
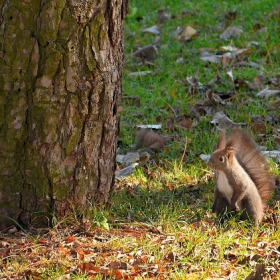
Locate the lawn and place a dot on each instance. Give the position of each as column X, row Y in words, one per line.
column 185, row 61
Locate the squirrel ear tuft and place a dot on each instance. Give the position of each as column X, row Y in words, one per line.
column 221, row 139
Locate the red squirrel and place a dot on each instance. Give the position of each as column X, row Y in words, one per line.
column 242, row 178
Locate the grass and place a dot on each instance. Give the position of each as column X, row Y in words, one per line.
column 160, row 221
column 172, row 194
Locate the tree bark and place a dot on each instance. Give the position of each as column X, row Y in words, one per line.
column 60, row 88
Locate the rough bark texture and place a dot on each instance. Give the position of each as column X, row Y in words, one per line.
column 60, row 87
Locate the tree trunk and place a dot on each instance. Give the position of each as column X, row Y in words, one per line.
column 60, row 87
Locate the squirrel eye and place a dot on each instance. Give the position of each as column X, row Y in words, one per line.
column 221, row 159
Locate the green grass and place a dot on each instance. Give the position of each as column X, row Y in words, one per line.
column 160, row 220
column 174, row 194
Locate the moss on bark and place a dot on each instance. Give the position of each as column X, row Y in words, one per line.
column 58, row 91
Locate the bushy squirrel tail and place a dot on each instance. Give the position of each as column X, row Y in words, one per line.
column 253, row 161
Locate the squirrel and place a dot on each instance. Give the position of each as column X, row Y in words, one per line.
column 242, row 178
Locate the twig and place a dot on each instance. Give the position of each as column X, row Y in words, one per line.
column 184, row 153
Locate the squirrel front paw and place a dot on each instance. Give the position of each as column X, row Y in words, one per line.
column 235, row 208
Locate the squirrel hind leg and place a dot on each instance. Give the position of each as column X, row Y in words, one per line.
column 222, row 210
column 250, row 212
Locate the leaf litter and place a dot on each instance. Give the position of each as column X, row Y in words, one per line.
column 95, row 252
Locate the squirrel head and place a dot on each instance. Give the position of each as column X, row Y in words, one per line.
column 222, row 159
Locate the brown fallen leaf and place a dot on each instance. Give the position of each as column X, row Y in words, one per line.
column 230, row 15
column 171, row 257
column 114, row 265
column 259, row 127
column 209, row 106
column 185, row 123
column 163, row 16
column 70, row 239
column 259, row 275
column 86, row 267
column 147, row 53
column 150, row 139
column 259, row 80
column 185, row 34
column 131, row 101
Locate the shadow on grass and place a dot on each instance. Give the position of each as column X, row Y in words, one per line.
column 161, row 206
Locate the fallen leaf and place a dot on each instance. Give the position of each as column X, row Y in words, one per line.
column 131, row 101
column 140, row 73
column 86, row 267
column 214, row 58
column 192, row 276
column 125, row 172
column 205, row 157
column 120, row 109
column 230, row 74
column 150, row 139
column 185, row 123
column 118, row 265
column 63, row 250
column 259, row 80
column 144, row 157
column 163, row 16
column 259, row 274
column 228, row 48
column 194, row 82
column 70, row 239
column 223, row 121
column 188, row 32
column 263, row 30
column 147, row 53
column 150, row 126
column 12, row 230
column 234, row 51
column 153, row 30
column 231, row 31
column 268, row 92
column 171, row 257
column 259, row 127
column 130, row 158
column 118, row 274
column 214, row 98
column 4, row 244
column 229, row 16
column 185, row 34
column 181, row 60
column 246, row 64
column 172, row 93
column 272, row 154
column 275, row 81
column 209, row 106
column 276, row 12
